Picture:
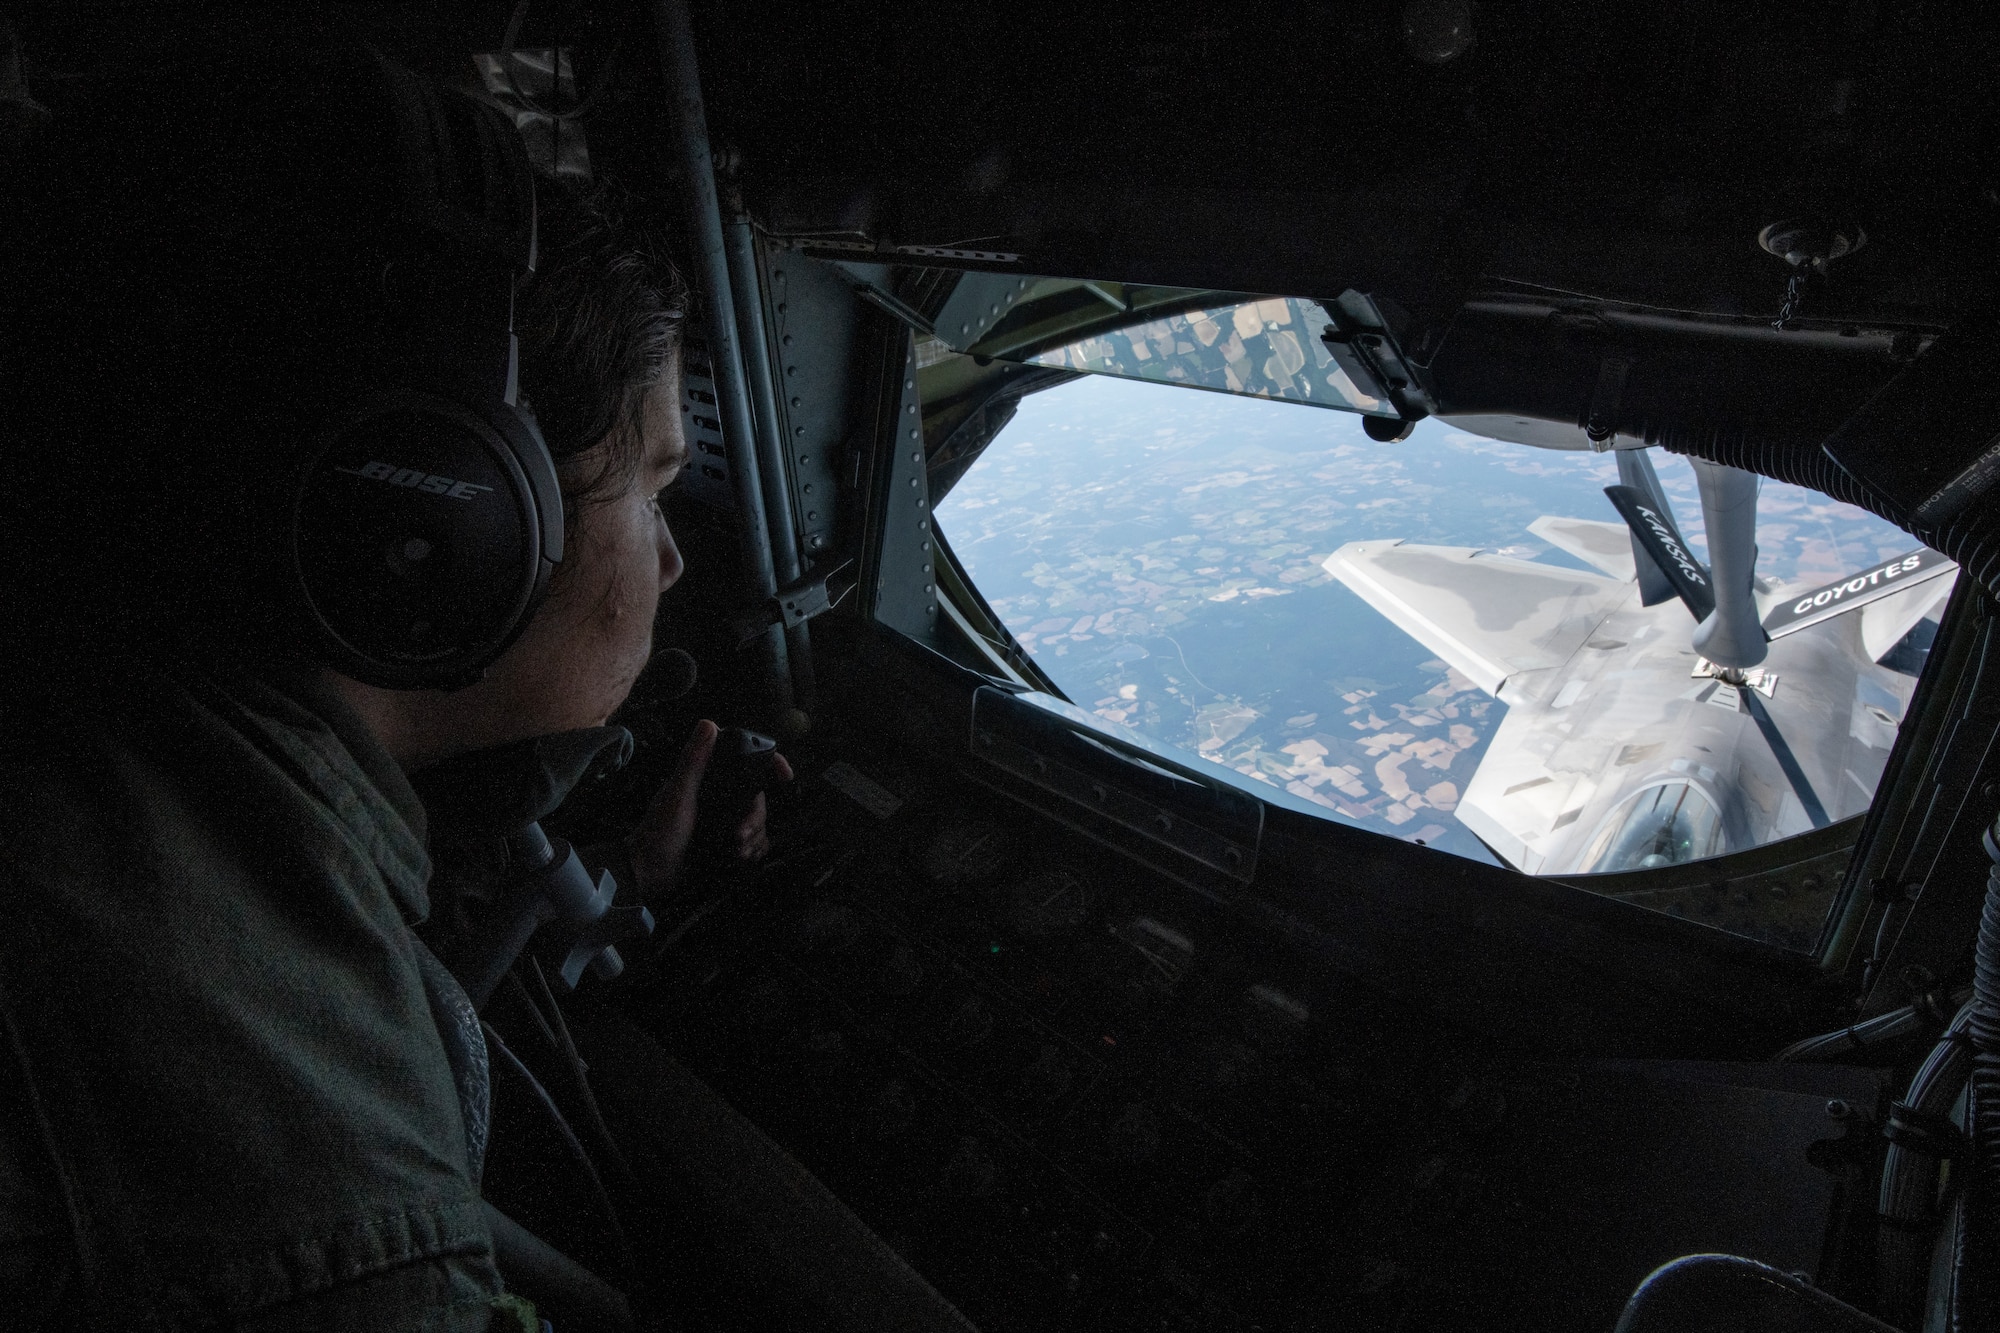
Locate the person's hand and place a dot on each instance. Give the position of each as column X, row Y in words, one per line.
column 752, row 839
column 659, row 846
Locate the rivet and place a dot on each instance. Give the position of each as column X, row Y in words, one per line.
column 807, row 488
column 781, row 307
column 796, row 402
column 924, row 525
column 911, row 408
column 909, row 384
column 913, row 435
column 913, row 483
column 791, row 370
column 917, row 457
column 804, row 459
column 786, row 340
column 925, row 544
column 811, row 515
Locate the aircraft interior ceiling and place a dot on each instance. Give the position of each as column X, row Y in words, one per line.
column 1589, row 152
column 1095, row 1038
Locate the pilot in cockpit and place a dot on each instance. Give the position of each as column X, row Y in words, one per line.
column 341, row 443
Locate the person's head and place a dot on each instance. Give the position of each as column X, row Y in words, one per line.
column 600, row 330
column 201, row 280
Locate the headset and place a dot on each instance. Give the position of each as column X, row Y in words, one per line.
column 426, row 516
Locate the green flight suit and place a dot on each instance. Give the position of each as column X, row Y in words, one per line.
column 223, row 1097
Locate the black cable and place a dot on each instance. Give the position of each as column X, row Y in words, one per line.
column 581, row 1072
column 528, row 1001
column 1975, row 1302
column 570, row 1140
column 564, row 1042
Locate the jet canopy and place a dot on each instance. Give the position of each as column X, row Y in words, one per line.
column 1662, row 825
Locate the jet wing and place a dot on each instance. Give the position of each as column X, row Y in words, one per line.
column 1605, row 546
column 1490, row 616
column 1885, row 621
column 1797, row 610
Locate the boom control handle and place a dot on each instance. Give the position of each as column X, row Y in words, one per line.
column 742, row 764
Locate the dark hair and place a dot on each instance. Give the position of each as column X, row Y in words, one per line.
column 191, row 274
column 598, row 325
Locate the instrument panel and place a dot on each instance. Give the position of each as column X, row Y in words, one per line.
column 1074, row 1093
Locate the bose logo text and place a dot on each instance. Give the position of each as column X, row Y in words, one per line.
column 416, row 480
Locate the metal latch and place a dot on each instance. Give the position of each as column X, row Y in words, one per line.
column 797, row 603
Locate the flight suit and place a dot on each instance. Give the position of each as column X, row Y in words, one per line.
column 223, row 1094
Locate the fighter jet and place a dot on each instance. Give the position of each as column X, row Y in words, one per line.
column 1660, row 710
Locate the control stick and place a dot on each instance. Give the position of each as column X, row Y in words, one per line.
column 743, row 764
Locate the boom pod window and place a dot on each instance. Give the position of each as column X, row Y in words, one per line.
column 1502, row 648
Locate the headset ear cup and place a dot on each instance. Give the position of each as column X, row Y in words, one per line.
column 428, row 520
column 423, row 537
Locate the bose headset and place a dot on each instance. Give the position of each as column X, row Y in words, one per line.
column 427, row 517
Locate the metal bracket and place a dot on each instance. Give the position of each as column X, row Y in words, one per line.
column 796, row 603
column 1363, row 341
column 1600, row 422
column 871, row 282
column 1925, row 1132
column 895, row 308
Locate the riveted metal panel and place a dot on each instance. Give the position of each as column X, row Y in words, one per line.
column 899, row 581
column 813, row 319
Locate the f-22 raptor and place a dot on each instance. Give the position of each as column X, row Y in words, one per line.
column 1633, row 739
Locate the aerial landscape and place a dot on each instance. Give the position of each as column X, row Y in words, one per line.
column 1159, row 551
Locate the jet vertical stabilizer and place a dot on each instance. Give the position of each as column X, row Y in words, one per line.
column 1635, row 471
